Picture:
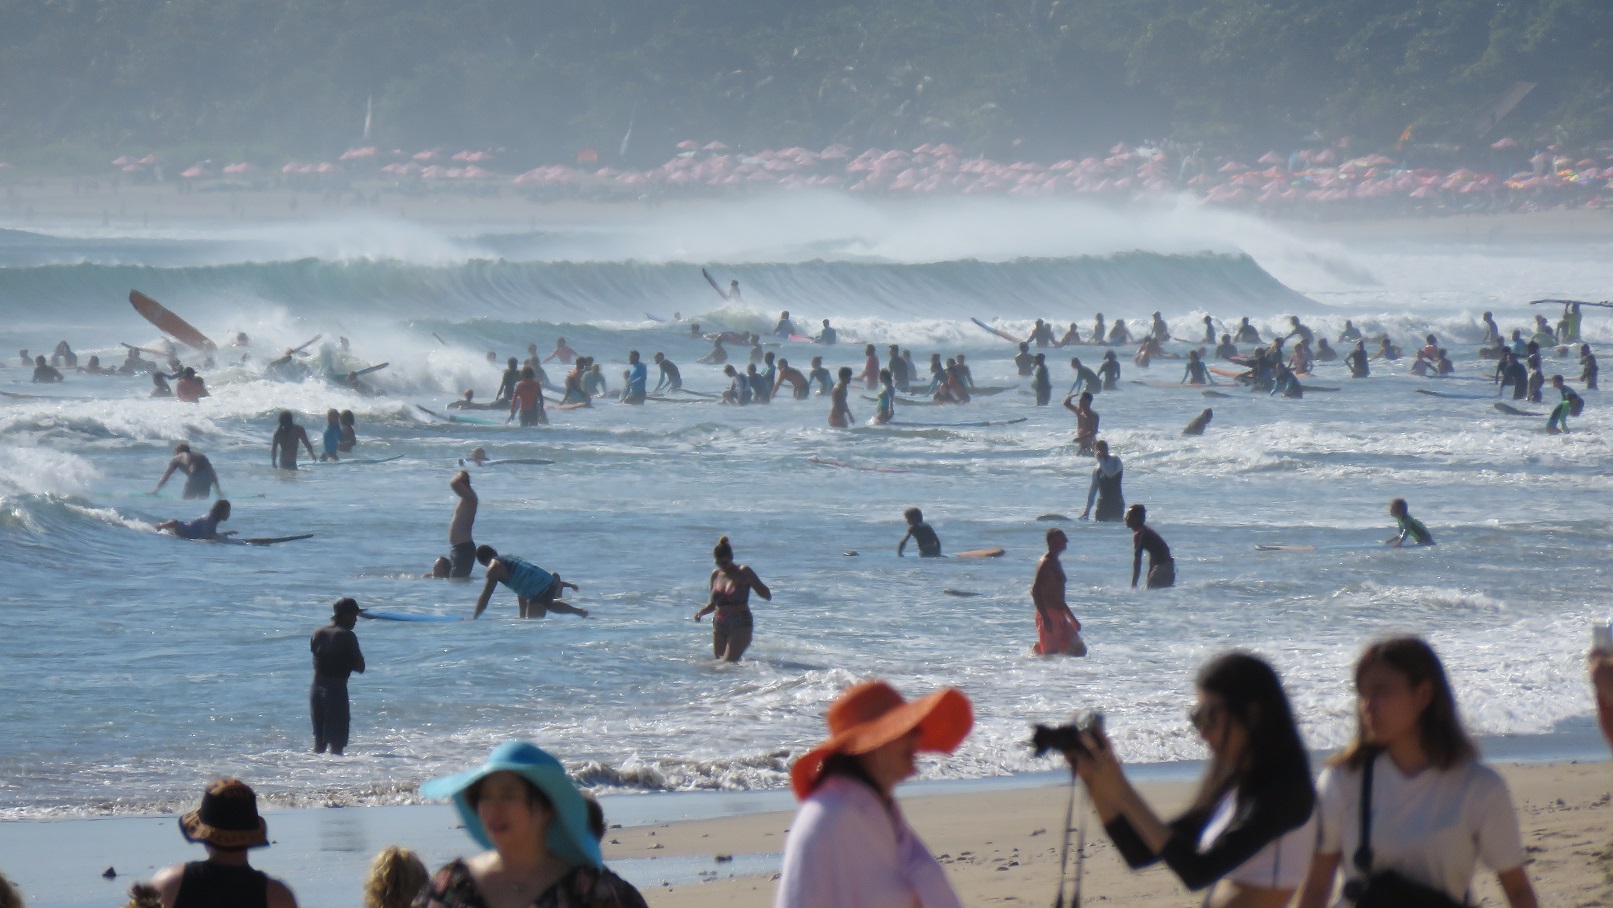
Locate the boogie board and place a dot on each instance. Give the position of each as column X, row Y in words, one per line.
column 1344, row 547
column 169, row 323
column 980, row 553
column 402, row 616
column 531, row 461
column 1002, row 334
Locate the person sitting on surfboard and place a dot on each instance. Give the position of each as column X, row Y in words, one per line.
column 718, row 354
column 839, row 409
column 45, row 373
column 283, row 447
column 819, row 376
column 671, row 378
column 200, row 479
column 1161, row 566
column 561, row 352
column 535, row 588
column 920, row 532
column 1105, row 488
column 1024, row 360
column 1058, row 633
column 1086, row 422
column 1226, row 349
column 94, row 368
column 785, row 326
column 203, row 527
column 828, row 337
column 1409, row 526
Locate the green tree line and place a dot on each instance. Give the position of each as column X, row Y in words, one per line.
column 1040, row 78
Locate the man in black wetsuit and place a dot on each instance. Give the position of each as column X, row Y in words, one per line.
column 336, row 657
column 1161, row 567
column 917, row 530
column 671, row 379
column 228, row 824
column 506, row 385
column 1226, row 349
column 1357, row 361
column 1508, row 371
column 898, row 367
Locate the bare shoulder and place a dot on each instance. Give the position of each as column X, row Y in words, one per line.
column 280, row 895
column 166, row 882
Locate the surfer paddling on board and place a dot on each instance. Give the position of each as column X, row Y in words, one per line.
column 731, row 586
column 283, row 447
column 534, row 587
column 1161, row 567
column 922, row 535
column 1058, row 633
column 200, row 479
column 839, row 410
column 1410, row 527
column 203, row 527
column 461, row 547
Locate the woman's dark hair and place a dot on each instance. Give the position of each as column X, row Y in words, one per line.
column 1252, row 696
column 1439, row 727
column 723, row 550
column 847, row 765
column 534, row 795
column 485, row 554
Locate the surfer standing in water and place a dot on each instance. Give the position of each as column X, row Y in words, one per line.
column 671, row 379
column 283, row 448
column 886, row 408
column 561, row 352
column 461, row 547
column 922, row 535
column 839, row 410
column 731, row 586
column 1161, row 566
column 527, row 401
column 200, row 479
column 1086, row 421
column 1105, row 488
column 1058, row 633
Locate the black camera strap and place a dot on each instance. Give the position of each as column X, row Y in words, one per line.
column 1363, row 852
column 1080, row 849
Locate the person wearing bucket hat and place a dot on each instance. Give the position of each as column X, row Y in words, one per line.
column 227, row 823
column 336, row 657
column 849, row 846
column 521, row 805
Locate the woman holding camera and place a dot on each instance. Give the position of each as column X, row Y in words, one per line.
column 1248, row 832
column 1433, row 810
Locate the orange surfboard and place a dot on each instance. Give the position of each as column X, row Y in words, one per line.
column 169, row 323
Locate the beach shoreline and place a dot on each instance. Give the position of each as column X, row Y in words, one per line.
column 999, row 843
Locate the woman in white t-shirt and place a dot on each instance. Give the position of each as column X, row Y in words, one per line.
column 1248, row 833
column 1435, row 810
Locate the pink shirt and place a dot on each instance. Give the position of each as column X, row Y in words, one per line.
column 849, row 849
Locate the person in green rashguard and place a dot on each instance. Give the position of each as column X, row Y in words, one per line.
column 1409, row 526
column 1572, row 405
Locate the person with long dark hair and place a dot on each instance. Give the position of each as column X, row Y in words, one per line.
column 1433, row 809
column 1248, row 832
column 731, row 585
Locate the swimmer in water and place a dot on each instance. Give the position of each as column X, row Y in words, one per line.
column 283, row 447
column 1196, row 427
column 1161, row 566
column 477, row 456
column 886, row 408
column 928, row 543
column 839, row 409
column 333, row 435
column 1226, row 349
column 731, row 585
column 561, row 352
column 203, row 527
column 45, row 373
column 1086, row 422
column 819, row 376
column 200, row 479
column 535, row 588
column 1024, row 360
column 1409, row 526
column 1197, row 373
column 718, row 354
column 671, row 378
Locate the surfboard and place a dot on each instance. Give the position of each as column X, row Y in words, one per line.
column 959, row 425
column 266, row 540
column 714, row 285
column 368, row 369
column 1605, row 303
column 989, row 391
column 579, row 405
column 306, row 344
column 1002, row 334
column 1167, row 384
column 1510, row 410
column 1055, row 518
column 1451, row 395
column 525, row 461
column 654, row 318
column 980, row 553
column 678, row 400
column 1225, row 372
column 952, row 592
column 1343, row 547
column 472, row 420
column 1215, row 394
column 848, row 466
column 142, row 349
column 169, row 323
column 361, row 460
column 403, row 616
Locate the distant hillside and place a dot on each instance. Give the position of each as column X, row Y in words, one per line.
column 1033, row 78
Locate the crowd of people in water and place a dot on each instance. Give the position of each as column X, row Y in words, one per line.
column 1402, row 816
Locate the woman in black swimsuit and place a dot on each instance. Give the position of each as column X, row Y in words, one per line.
column 731, row 586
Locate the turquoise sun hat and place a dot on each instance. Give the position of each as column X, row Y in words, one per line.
column 568, row 839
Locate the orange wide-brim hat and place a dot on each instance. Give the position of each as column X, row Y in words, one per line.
column 871, row 714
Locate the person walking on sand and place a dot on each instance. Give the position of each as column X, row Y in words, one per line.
column 461, row 541
column 227, row 824
column 1161, row 567
column 1058, row 633
column 535, row 588
column 283, row 447
column 200, row 479
column 336, row 658
column 731, row 585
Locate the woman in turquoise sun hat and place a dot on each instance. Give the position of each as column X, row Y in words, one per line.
column 521, row 805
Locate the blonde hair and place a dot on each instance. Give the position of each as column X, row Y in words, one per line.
column 9, row 896
column 396, row 876
column 143, row 896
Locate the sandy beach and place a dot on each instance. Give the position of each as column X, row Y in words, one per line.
column 1000, row 846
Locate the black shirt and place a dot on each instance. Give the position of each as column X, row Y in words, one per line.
column 336, row 653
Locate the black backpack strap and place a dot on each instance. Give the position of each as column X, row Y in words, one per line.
column 1363, row 853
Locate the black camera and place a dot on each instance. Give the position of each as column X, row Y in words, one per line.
column 1065, row 738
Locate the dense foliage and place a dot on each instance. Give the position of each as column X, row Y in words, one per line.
column 1033, row 77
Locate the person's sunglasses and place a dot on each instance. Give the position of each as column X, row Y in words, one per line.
column 1204, row 716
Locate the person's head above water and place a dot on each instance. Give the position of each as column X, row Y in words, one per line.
column 512, row 363
column 913, row 515
column 1398, row 508
column 477, row 455
column 1024, row 347
column 485, row 554
column 286, row 419
column 1056, row 541
column 723, row 551
column 1136, row 516
column 845, row 373
column 220, row 509
column 182, row 448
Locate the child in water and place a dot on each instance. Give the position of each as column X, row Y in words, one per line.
column 1409, row 526
column 333, row 435
column 917, row 530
